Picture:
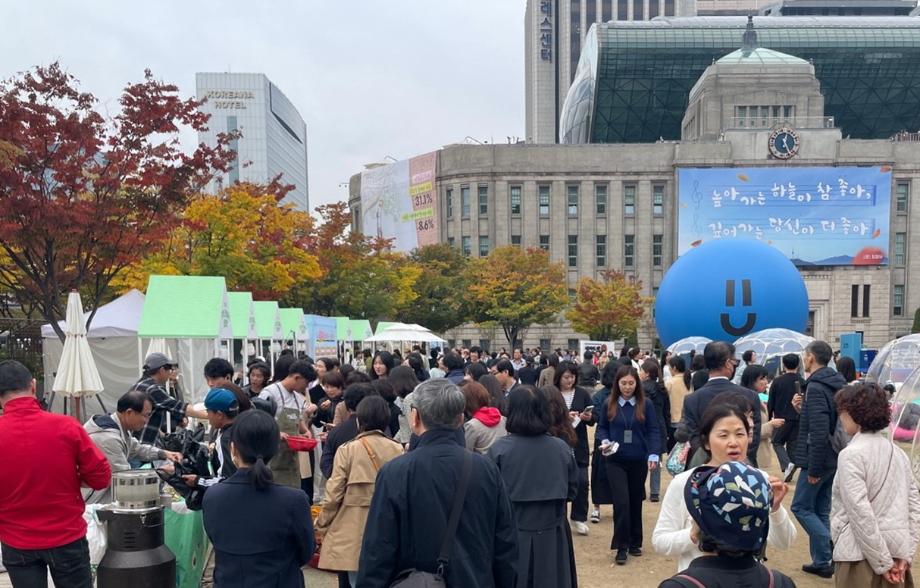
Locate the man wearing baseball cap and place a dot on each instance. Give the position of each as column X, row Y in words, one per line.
column 730, row 505
column 157, row 370
column 222, row 408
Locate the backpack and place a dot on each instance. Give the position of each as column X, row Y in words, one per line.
column 838, row 437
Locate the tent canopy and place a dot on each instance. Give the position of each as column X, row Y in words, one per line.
column 180, row 307
column 343, row 328
column 361, row 330
column 292, row 324
column 268, row 320
column 384, row 325
column 118, row 318
column 242, row 315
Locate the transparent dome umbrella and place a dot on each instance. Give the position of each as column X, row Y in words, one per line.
column 895, row 361
column 687, row 344
column 770, row 345
column 905, row 418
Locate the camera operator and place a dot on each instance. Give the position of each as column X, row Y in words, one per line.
column 222, row 407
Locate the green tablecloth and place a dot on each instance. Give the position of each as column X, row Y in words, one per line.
column 186, row 538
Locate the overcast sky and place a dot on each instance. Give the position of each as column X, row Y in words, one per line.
column 371, row 78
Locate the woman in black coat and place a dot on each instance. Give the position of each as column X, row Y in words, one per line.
column 581, row 414
column 262, row 532
column 600, row 488
column 540, row 475
column 656, row 392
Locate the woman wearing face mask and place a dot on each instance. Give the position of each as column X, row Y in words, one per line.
column 631, row 443
column 262, row 532
column 724, row 435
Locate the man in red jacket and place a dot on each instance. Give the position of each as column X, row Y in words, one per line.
column 44, row 461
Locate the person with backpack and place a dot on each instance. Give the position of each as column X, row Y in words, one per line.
column 816, row 457
column 730, row 506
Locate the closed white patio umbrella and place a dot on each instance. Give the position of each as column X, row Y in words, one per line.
column 77, row 376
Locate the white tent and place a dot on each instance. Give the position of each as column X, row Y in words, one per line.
column 112, row 338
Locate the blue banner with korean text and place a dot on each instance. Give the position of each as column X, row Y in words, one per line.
column 817, row 216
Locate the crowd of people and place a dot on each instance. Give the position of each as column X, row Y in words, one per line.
column 479, row 467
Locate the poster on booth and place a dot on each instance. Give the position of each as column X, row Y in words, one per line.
column 398, row 202
column 817, row 216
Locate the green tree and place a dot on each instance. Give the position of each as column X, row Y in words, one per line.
column 515, row 288
column 916, row 326
column 609, row 308
column 440, row 289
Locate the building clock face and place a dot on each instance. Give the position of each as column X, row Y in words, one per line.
column 784, row 143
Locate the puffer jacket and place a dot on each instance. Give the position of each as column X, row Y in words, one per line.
column 813, row 452
column 874, row 518
column 119, row 447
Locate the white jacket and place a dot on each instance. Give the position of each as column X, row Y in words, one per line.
column 874, row 518
column 671, row 536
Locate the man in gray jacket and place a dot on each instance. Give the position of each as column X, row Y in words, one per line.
column 112, row 435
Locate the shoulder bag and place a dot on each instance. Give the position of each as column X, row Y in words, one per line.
column 418, row 579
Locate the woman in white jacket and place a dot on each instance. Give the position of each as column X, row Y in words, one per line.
column 725, row 434
column 875, row 508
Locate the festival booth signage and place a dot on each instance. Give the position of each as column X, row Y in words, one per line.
column 194, row 311
column 112, row 338
column 321, row 331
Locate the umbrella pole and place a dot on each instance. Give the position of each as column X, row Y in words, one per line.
column 99, row 398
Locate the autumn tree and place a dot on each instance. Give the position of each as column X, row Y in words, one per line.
column 361, row 277
column 244, row 234
column 609, row 308
column 83, row 196
column 441, row 289
column 515, row 288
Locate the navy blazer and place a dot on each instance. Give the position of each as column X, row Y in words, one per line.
column 260, row 537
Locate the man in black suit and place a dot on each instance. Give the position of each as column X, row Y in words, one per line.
column 721, row 363
column 782, row 391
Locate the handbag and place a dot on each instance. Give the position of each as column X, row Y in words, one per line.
column 677, row 459
column 413, row 578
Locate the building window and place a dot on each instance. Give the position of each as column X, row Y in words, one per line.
column 573, row 250
column 465, row 245
column 450, row 241
column 810, row 325
column 656, row 249
column 629, row 200
column 866, row 299
column 515, row 200
column 516, row 240
column 483, row 200
column 465, row 201
column 761, row 116
column 669, row 7
column 449, row 196
column 637, row 9
column 629, row 250
column 897, row 300
column 652, row 9
column 543, row 194
column 486, row 344
column 546, row 344
column 573, row 199
column 900, row 249
column 483, row 246
column 600, row 198
column 544, row 242
column 854, row 301
column 901, row 196
column 658, row 200
column 573, row 344
column 467, row 343
column 601, row 250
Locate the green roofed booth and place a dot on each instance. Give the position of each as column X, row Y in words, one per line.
column 194, row 311
column 269, row 331
column 243, row 324
column 293, row 328
column 361, row 330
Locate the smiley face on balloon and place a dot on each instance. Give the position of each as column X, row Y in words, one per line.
column 726, row 289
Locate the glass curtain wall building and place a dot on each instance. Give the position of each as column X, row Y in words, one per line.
column 273, row 134
column 634, row 78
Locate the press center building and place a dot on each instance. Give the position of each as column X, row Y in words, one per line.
column 596, row 206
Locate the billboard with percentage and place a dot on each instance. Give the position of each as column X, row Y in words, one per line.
column 399, row 202
column 817, row 216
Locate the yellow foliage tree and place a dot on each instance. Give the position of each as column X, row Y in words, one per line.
column 243, row 234
column 609, row 308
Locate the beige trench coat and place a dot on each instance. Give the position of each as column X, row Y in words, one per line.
column 348, row 498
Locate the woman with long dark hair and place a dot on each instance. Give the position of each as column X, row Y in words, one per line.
column 655, row 391
column 382, row 365
column 631, row 444
column 404, row 381
column 540, row 475
column 262, row 532
column 560, row 425
column 581, row 415
column 600, row 488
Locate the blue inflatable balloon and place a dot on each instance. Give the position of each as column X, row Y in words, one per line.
column 725, row 289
